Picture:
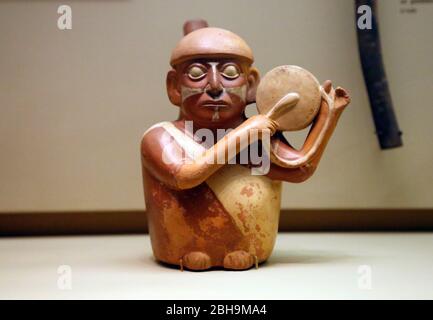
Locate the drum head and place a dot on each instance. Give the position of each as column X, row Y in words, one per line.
column 282, row 80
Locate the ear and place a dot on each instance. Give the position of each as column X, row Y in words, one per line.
column 172, row 88
column 253, row 82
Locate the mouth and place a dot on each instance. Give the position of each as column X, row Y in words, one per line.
column 215, row 104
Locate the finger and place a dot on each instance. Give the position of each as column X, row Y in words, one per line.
column 327, row 85
column 340, row 92
column 275, row 127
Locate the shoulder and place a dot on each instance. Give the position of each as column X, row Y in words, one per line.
column 157, row 155
column 155, row 135
column 156, row 128
column 164, row 138
column 157, row 131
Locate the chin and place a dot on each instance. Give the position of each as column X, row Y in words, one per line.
column 223, row 119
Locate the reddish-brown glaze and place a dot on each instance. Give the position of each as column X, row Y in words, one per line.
column 188, row 223
column 183, row 221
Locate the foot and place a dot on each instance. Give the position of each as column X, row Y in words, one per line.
column 196, row 261
column 238, row 260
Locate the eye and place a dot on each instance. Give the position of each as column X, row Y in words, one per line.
column 230, row 72
column 196, row 73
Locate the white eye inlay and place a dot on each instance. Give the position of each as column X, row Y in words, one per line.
column 196, row 73
column 230, row 72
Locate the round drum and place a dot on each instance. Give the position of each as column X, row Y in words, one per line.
column 285, row 79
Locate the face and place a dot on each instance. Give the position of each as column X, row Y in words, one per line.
column 213, row 91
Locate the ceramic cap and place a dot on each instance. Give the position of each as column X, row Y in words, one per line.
column 207, row 42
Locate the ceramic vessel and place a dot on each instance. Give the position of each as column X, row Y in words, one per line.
column 210, row 203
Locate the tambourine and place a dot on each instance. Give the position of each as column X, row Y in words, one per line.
column 289, row 95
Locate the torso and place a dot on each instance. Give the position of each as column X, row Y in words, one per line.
column 232, row 210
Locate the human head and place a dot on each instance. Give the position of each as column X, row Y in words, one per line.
column 212, row 78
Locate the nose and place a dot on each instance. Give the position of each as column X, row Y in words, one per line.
column 214, row 93
column 214, row 88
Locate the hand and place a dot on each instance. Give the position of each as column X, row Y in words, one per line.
column 337, row 100
column 261, row 122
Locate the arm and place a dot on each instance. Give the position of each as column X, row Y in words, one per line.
column 181, row 173
column 297, row 166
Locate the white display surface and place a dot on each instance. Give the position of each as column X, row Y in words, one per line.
column 303, row 266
